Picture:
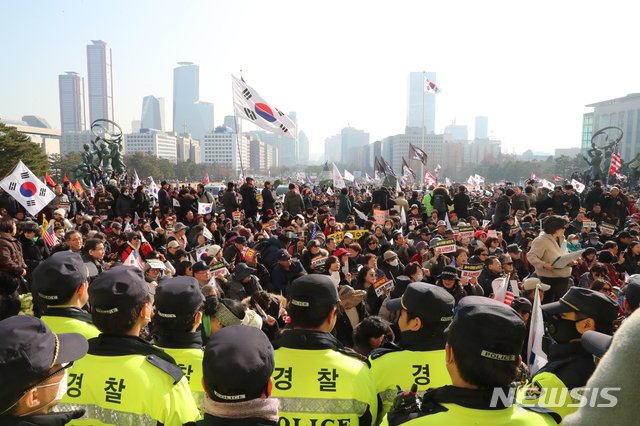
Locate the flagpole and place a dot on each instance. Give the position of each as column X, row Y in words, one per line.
column 422, row 147
column 238, row 131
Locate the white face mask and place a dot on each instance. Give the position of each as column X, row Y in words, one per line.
column 419, row 277
column 411, row 228
column 387, row 227
column 574, row 242
column 62, row 390
column 394, row 262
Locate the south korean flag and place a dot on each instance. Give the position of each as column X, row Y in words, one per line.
column 249, row 105
column 27, row 189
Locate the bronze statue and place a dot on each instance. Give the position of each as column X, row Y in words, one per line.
column 109, row 152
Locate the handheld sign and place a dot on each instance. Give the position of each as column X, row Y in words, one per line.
column 156, row 264
column 381, row 284
column 466, row 231
column 492, row 233
column 381, row 216
column 472, row 271
column 456, row 231
column 237, row 216
column 250, row 254
column 589, row 224
column 607, row 229
column 519, row 212
column 514, row 229
column 218, row 268
column 319, row 260
column 446, row 246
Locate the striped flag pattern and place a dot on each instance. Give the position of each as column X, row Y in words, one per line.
column 50, row 236
column 615, row 160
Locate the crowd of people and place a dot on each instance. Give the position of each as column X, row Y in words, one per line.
column 314, row 308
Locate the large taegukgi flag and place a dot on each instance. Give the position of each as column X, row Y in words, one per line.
column 249, row 105
column 27, row 189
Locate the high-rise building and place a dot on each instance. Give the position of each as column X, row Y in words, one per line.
column 187, row 107
column 482, row 127
column 222, row 147
column 152, row 141
column 72, row 113
column 303, row 144
column 74, row 142
column 100, row 76
column 432, row 145
column 136, row 125
column 287, row 147
column 420, row 104
column 152, row 113
column 230, row 122
column 333, row 148
column 257, row 155
column 458, row 131
column 623, row 113
column 480, row 150
column 352, row 138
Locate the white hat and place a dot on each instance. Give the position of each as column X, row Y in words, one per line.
column 213, row 250
column 61, row 212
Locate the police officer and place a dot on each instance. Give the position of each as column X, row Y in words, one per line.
column 178, row 314
column 34, row 365
column 237, row 367
column 482, row 356
column 569, row 364
column 425, row 312
column 62, row 282
column 125, row 379
column 316, row 380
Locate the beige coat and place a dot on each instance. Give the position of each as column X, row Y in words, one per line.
column 545, row 249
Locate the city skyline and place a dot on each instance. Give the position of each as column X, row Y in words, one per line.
column 480, row 71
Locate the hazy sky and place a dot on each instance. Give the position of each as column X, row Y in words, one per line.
column 530, row 67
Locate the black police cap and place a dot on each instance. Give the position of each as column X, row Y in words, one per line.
column 28, row 350
column 61, row 274
column 178, row 296
column 313, row 290
column 118, row 289
column 430, row 303
column 480, row 323
column 591, row 303
column 237, row 357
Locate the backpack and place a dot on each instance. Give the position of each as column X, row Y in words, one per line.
column 438, row 203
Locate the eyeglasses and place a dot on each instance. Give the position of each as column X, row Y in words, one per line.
column 595, row 274
column 606, row 289
column 483, row 254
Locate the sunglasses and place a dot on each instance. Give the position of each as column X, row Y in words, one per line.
column 595, row 274
column 606, row 289
column 135, row 238
column 483, row 254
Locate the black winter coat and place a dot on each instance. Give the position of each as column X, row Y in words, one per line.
column 33, row 253
column 249, row 201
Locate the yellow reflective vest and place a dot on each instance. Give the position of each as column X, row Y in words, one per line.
column 318, row 384
column 404, row 368
column 69, row 319
column 119, row 387
column 190, row 361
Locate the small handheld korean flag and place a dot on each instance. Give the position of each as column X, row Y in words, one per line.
column 204, row 208
column 338, row 182
column 153, row 189
column 578, row 186
column 27, row 189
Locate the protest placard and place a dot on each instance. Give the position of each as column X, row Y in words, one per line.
column 466, row 231
column 319, row 260
column 381, row 216
column 492, row 233
column 156, row 264
column 218, row 268
column 382, row 283
column 237, row 216
column 514, row 229
column 589, row 224
column 471, row 271
column 446, row 246
column 456, row 231
column 607, row 229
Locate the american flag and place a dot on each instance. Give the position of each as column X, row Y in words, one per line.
column 508, row 297
column 615, row 160
column 50, row 236
column 133, row 260
column 315, row 229
column 136, row 218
